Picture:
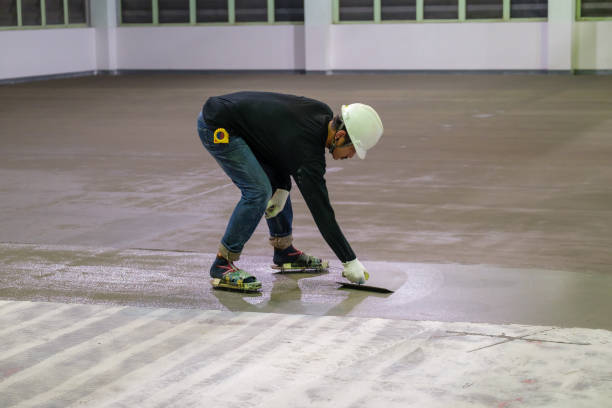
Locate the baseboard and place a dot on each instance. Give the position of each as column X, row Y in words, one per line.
column 452, row 71
column 301, row 72
column 593, row 72
column 47, row 77
column 208, row 71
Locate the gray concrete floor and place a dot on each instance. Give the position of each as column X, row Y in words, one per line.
column 488, row 199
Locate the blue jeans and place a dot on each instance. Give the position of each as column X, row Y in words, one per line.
column 239, row 163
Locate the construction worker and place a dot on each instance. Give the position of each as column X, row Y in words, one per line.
column 260, row 139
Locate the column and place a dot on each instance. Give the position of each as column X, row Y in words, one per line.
column 104, row 19
column 317, row 35
column 561, row 16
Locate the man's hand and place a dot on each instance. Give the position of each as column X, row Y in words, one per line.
column 355, row 272
column 277, row 203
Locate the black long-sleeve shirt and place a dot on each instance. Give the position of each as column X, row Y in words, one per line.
column 287, row 135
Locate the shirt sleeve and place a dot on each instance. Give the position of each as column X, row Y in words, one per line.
column 309, row 179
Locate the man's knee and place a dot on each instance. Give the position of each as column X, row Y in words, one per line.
column 259, row 194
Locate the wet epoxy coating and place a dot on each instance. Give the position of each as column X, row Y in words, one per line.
column 500, row 181
column 488, row 200
column 426, row 291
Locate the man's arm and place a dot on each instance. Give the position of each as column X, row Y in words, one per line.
column 309, row 179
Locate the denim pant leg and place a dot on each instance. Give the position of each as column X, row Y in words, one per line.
column 239, row 163
column 280, row 226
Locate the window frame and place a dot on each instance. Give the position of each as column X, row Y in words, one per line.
column 43, row 18
column 231, row 11
column 580, row 18
column 462, row 13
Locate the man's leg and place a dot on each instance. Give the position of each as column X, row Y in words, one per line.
column 281, row 239
column 239, row 163
column 280, row 227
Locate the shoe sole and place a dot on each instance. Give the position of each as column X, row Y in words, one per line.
column 245, row 287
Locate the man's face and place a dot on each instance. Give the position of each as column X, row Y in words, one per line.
column 342, row 152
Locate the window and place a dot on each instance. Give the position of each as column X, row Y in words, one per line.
column 173, row 11
column 193, row 12
column 249, row 11
column 528, row 8
column 30, row 12
column 356, row 10
column 54, row 11
column 212, row 11
column 8, row 14
column 136, row 11
column 77, row 11
column 288, row 10
column 42, row 14
column 484, row 9
column 595, row 8
column 441, row 9
column 398, row 10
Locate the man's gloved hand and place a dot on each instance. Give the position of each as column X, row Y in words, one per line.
column 355, row 272
column 277, row 203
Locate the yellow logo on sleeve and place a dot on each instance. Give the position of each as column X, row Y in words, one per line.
column 221, row 136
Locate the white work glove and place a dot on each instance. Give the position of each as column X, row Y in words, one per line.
column 276, row 203
column 355, row 272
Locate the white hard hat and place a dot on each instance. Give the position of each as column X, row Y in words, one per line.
column 363, row 126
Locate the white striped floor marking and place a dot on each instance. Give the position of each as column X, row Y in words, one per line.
column 109, row 363
column 50, row 336
column 146, row 378
column 249, row 376
column 37, row 319
column 170, row 393
column 363, row 372
column 13, row 307
column 66, row 354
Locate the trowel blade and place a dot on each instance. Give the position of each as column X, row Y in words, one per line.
column 367, row 288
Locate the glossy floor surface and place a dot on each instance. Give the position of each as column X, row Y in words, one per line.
column 488, row 200
column 488, row 193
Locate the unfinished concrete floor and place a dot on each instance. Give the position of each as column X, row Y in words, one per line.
column 489, row 200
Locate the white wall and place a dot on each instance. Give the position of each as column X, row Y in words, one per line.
column 27, row 53
column 444, row 46
column 274, row 47
column 559, row 44
column 593, row 45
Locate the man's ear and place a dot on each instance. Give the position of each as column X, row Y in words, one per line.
column 339, row 134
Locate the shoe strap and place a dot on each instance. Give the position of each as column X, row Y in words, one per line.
column 229, row 268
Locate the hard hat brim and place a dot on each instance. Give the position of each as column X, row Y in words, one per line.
column 360, row 152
